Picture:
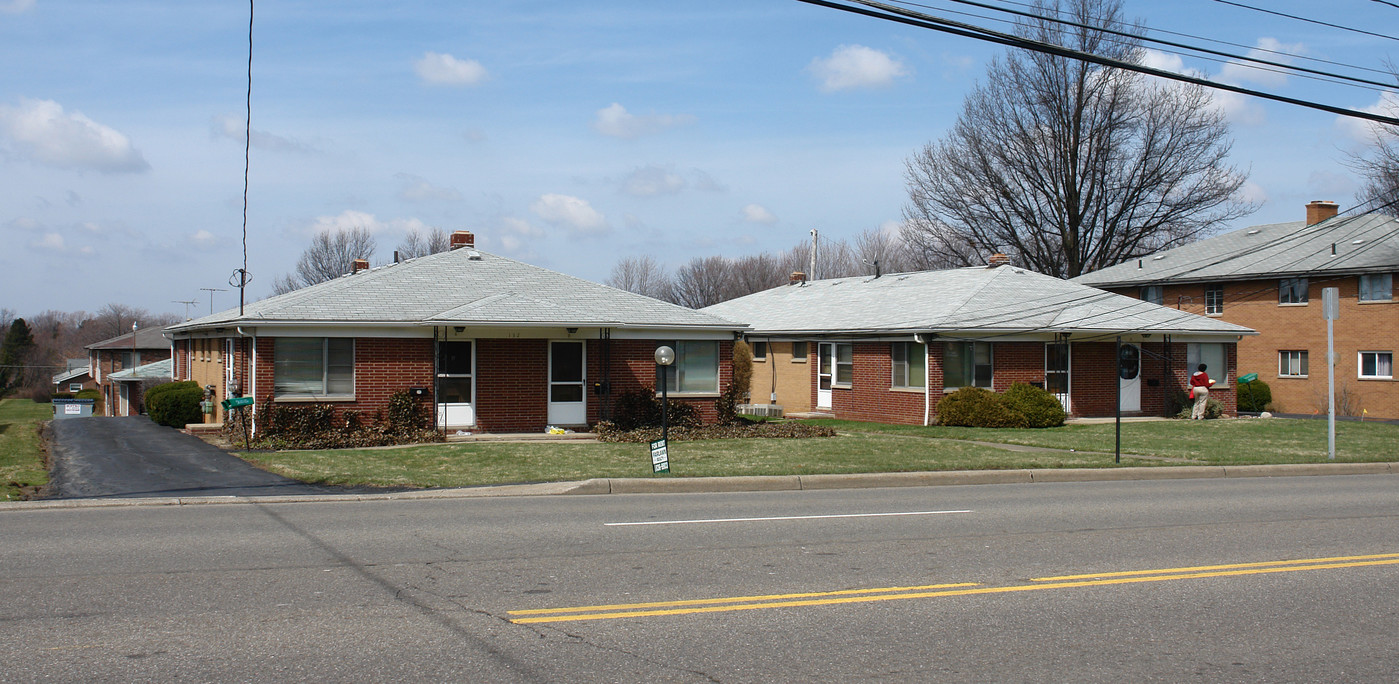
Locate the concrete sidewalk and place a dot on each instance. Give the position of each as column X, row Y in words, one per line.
column 771, row 483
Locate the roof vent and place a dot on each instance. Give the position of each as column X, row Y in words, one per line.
column 1255, row 231
column 1158, row 257
column 473, row 255
column 463, row 238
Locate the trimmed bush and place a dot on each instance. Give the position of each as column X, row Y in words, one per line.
column 1213, row 409
column 642, row 408
column 1254, row 396
column 976, row 407
column 1040, row 408
column 88, row 394
column 175, row 404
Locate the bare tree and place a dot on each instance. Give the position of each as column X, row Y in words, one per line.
column 1069, row 166
column 114, row 320
column 642, row 275
column 702, row 282
column 1379, row 165
column 331, row 255
column 419, row 243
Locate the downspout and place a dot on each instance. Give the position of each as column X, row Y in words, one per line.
column 772, row 362
column 927, row 385
column 439, row 419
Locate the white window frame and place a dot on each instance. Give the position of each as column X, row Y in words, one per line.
column 848, row 365
column 970, row 349
column 1192, row 361
column 75, row 387
column 1290, row 360
column 806, row 349
column 1216, row 307
column 1377, row 282
column 1360, row 365
column 1293, row 291
column 325, row 371
column 675, row 372
column 901, row 370
column 1152, row 293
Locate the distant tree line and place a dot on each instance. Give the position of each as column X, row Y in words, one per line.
column 33, row 349
column 332, row 254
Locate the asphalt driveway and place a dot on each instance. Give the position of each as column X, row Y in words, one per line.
column 133, row 457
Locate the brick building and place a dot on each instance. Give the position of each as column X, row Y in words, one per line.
column 492, row 344
column 1271, row 278
column 887, row 348
column 124, row 352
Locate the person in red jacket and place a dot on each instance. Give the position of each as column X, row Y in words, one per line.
column 1200, row 383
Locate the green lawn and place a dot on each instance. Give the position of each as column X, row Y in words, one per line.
column 21, row 451
column 860, row 448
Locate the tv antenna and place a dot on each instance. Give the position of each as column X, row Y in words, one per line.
column 211, row 291
column 187, row 303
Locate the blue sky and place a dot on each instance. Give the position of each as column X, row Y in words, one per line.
column 566, row 134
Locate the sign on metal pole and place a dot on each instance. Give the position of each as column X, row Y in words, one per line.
column 660, row 460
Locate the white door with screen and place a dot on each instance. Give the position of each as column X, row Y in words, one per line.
column 825, row 374
column 1056, row 372
column 456, row 386
column 1129, row 377
column 567, row 375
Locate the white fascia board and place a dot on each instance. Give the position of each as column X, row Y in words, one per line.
column 323, row 330
column 673, row 334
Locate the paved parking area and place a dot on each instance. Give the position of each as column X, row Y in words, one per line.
column 133, row 457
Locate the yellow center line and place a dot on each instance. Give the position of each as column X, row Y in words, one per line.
column 931, row 591
column 1130, row 573
column 734, row 599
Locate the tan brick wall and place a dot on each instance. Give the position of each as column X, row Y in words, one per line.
column 789, row 378
column 1369, row 326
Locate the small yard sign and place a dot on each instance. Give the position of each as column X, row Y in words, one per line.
column 72, row 409
column 660, row 460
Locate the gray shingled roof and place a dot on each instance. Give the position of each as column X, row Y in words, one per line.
column 146, row 338
column 976, row 300
column 158, row 369
column 1367, row 243
column 453, row 288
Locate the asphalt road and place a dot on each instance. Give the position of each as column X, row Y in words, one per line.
column 133, row 457
column 1233, row 580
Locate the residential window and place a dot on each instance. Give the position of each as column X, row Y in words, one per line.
column 760, row 351
column 910, row 365
column 696, row 367
column 1214, row 299
column 1213, row 355
column 1292, row 291
column 313, row 366
column 799, row 352
column 1376, row 287
column 75, row 387
column 1377, row 365
column 967, row 364
column 845, row 365
column 1292, row 364
column 1152, row 293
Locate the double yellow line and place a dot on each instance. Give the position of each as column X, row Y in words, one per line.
column 827, row 598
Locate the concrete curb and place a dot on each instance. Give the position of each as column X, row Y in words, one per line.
column 755, row 483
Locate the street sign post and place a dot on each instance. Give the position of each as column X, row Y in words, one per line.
column 1331, row 310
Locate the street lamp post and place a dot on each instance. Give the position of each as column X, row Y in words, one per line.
column 665, row 356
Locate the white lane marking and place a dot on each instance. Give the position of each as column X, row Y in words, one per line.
column 779, row 517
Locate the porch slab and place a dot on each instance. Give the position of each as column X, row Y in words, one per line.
column 521, row 437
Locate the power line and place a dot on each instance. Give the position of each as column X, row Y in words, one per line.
column 921, row 20
column 1137, row 37
column 1310, row 21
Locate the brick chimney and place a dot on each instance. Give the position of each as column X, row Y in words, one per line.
column 1320, row 210
column 463, row 238
column 359, row 265
column 997, row 260
column 797, row 278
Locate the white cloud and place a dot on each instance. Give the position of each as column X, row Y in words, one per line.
column 40, row 131
column 16, row 6
column 1253, row 193
column 617, row 122
column 351, row 219
column 1239, row 73
column 856, row 66
column 49, row 241
column 650, row 181
column 515, row 236
column 756, row 213
column 1361, row 131
column 235, row 128
column 1163, row 61
column 444, row 69
column 203, row 240
column 418, row 189
column 570, row 212
column 1236, row 107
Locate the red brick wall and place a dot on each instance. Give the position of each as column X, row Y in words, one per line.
column 511, row 377
column 871, row 395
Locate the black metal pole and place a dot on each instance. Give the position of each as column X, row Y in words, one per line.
column 665, row 418
column 1117, row 453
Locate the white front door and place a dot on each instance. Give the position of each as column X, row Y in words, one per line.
column 456, row 386
column 567, row 375
column 1129, row 374
column 826, row 355
column 1056, row 372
